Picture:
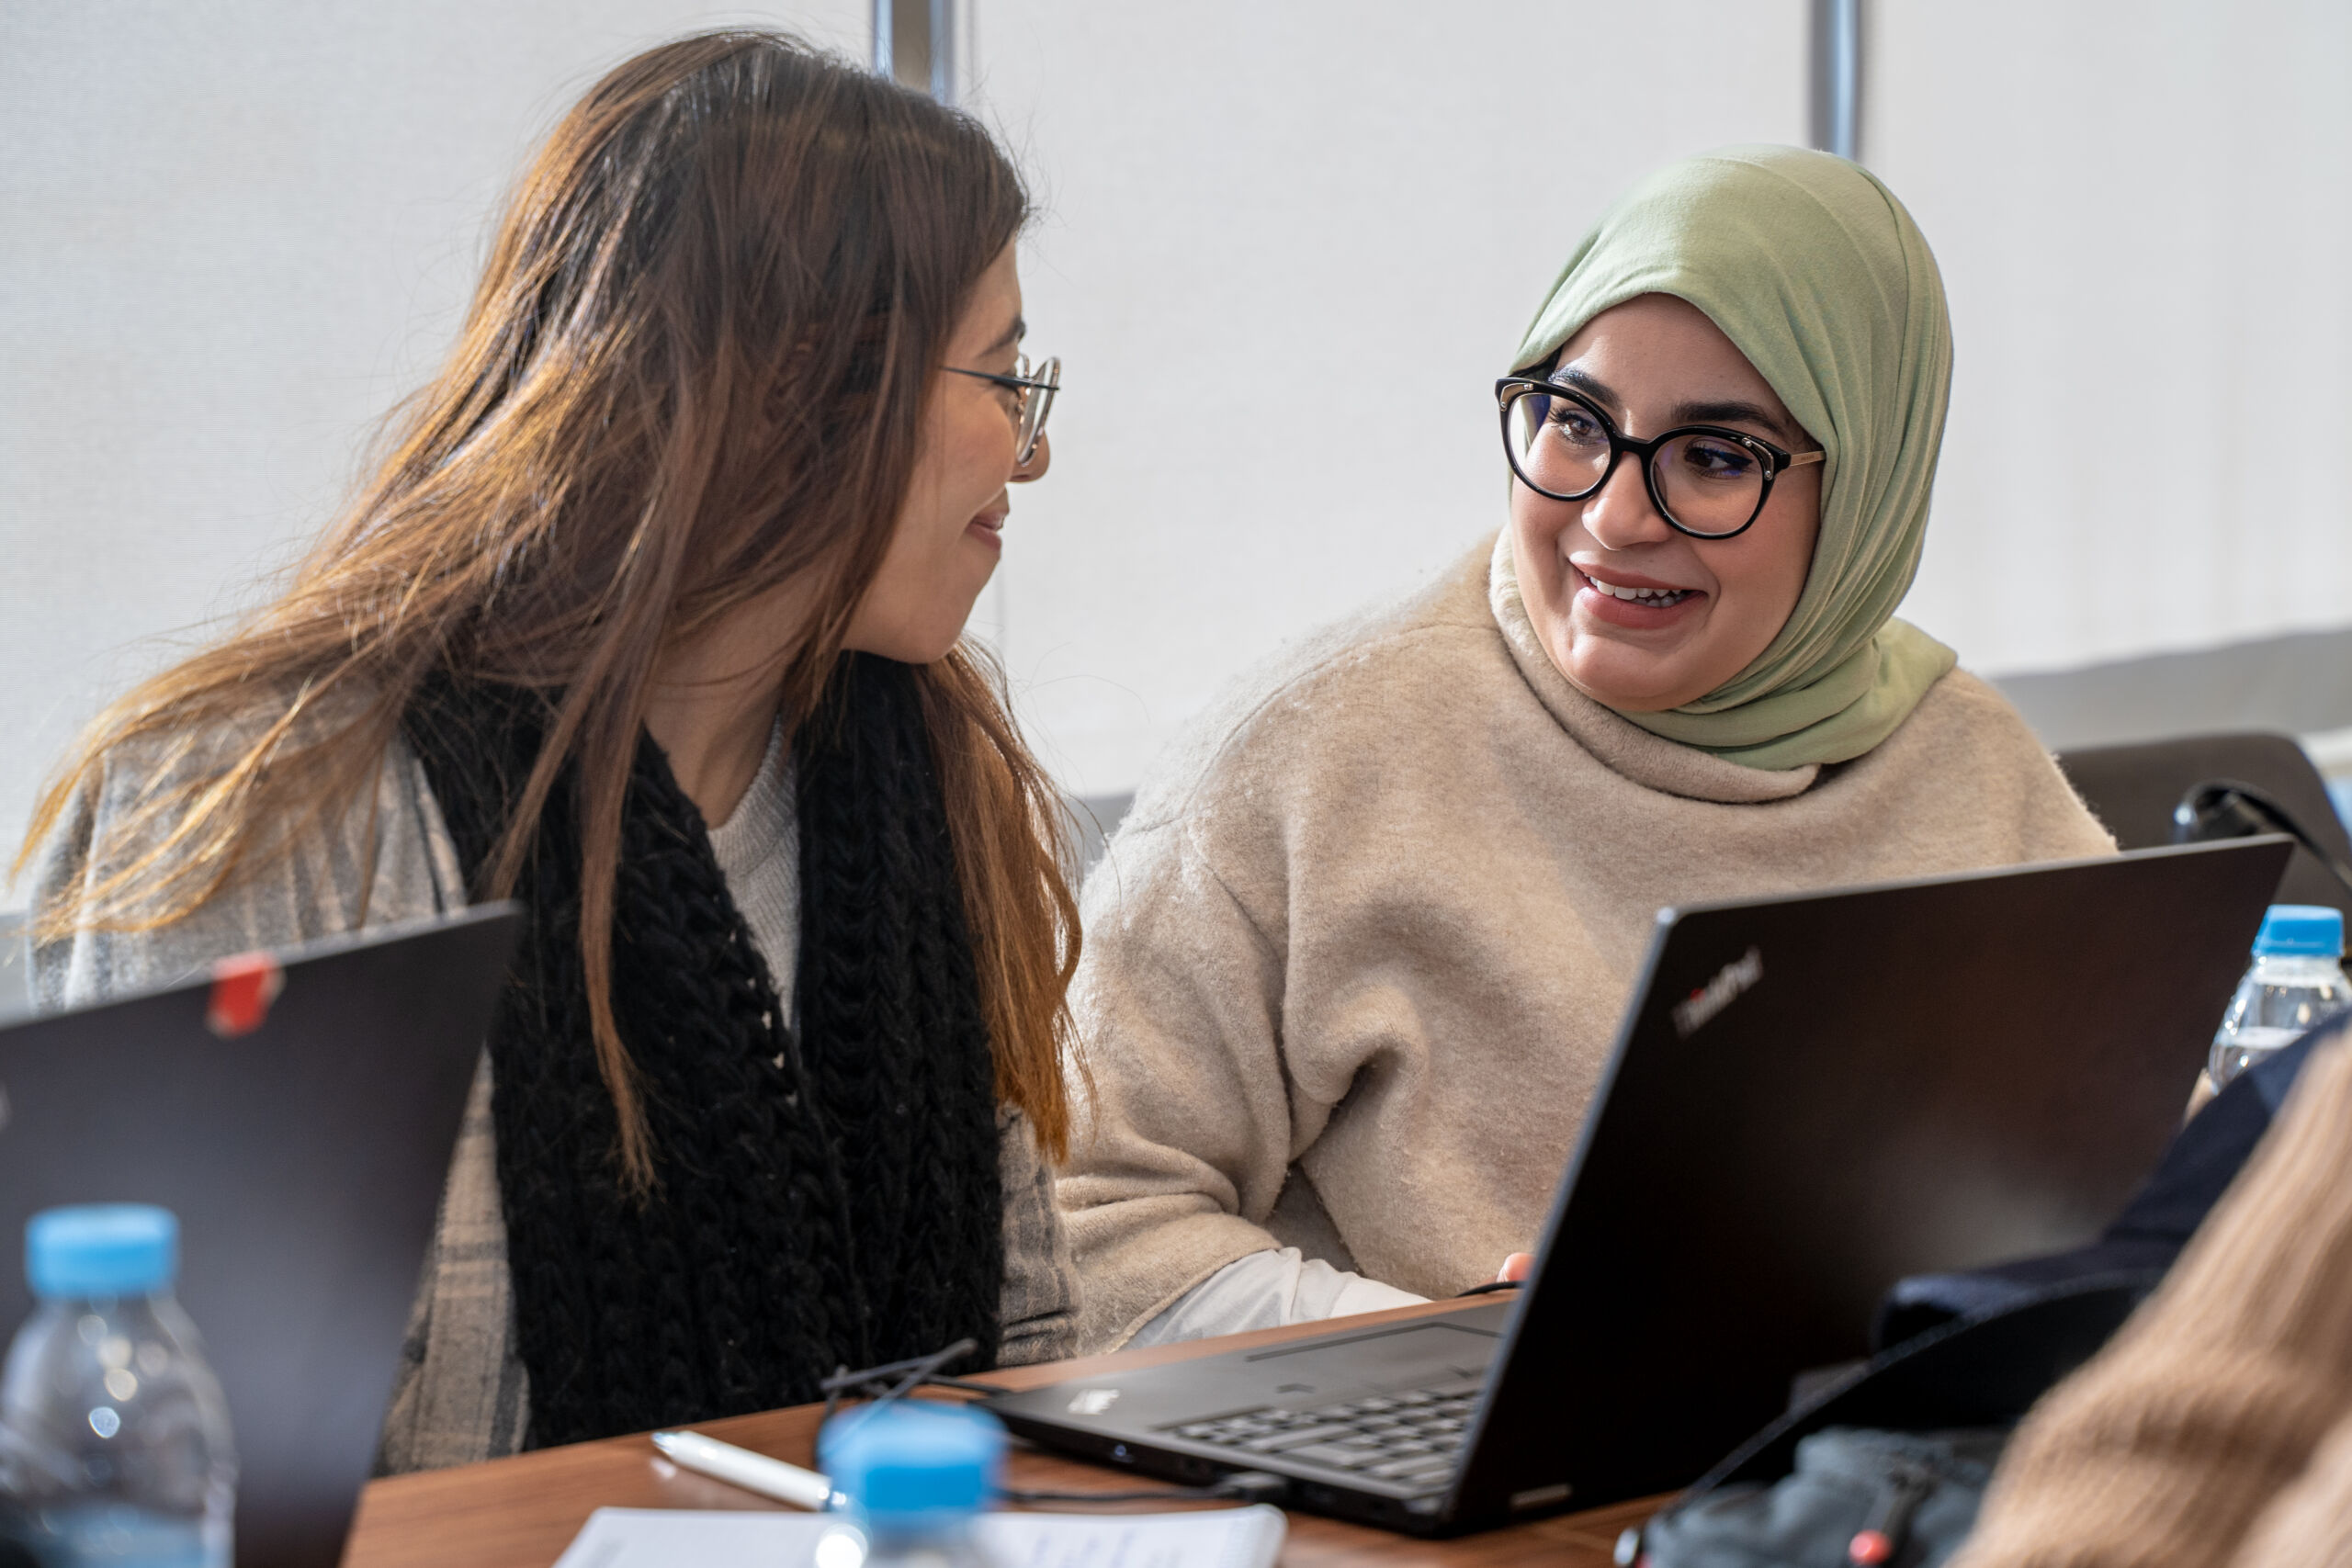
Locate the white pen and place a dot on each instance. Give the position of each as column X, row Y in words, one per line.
column 753, row 1472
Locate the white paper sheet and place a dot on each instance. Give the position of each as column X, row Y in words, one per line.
column 673, row 1538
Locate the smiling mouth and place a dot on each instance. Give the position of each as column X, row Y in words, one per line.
column 1656, row 598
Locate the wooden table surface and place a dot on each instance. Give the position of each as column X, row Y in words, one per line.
column 522, row 1512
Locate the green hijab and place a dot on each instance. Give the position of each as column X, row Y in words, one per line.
column 1816, row 274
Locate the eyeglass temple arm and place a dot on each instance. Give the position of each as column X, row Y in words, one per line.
column 1034, row 383
column 932, row 1363
column 875, row 1382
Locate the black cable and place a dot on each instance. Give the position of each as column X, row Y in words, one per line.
column 1241, row 1486
column 2226, row 809
column 914, row 1373
column 833, row 1387
column 1153, row 1495
column 1489, row 1287
column 922, row 1366
column 922, row 1372
column 962, row 1385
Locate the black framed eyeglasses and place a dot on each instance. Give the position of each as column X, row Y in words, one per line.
column 1705, row 480
column 1032, row 394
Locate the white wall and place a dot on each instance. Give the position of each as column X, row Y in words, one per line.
column 230, row 237
column 1287, row 251
column 2142, row 209
column 2144, row 213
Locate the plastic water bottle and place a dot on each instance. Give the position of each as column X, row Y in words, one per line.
column 2296, row 982
column 918, row 1476
column 113, row 1439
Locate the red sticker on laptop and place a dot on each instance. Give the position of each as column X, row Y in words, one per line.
column 242, row 988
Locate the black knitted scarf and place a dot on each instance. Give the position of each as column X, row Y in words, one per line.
column 825, row 1197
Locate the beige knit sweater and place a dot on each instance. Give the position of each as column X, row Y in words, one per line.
column 2217, row 1428
column 1355, row 959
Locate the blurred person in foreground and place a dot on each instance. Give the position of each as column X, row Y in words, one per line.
column 2216, row 1428
column 651, row 620
column 1356, row 958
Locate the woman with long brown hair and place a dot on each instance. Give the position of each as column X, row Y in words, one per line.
column 652, row 619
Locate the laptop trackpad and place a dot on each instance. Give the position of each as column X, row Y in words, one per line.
column 1390, row 1358
column 1413, row 1355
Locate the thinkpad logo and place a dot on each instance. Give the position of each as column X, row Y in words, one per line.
column 1730, row 983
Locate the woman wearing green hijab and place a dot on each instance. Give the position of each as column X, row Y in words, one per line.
column 1356, row 957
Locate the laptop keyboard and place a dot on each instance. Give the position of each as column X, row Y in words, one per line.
column 1415, row 1436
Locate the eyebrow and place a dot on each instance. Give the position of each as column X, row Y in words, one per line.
column 1734, row 413
column 1731, row 412
column 1591, row 385
column 1012, row 335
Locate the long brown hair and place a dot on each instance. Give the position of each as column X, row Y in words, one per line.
column 694, row 371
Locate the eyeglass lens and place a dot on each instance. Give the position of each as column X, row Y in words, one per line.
column 1708, row 484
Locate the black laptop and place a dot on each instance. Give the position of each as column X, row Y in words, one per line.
column 1811, row 1097
column 298, row 1114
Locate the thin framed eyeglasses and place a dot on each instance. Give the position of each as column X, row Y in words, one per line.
column 1032, row 394
column 1706, row 481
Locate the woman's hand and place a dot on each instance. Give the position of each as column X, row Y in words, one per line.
column 1517, row 1266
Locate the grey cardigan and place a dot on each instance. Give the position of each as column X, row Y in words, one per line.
column 461, row 1393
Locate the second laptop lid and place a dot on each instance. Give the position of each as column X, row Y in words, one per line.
column 1814, row 1096
column 305, row 1157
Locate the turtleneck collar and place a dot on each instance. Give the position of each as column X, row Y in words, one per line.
column 1625, row 747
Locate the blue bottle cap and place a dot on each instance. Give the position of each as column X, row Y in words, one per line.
column 2312, row 931
column 908, row 1464
column 101, row 1249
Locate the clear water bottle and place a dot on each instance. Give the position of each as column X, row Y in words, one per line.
column 113, row 1439
column 918, row 1476
column 2296, row 982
